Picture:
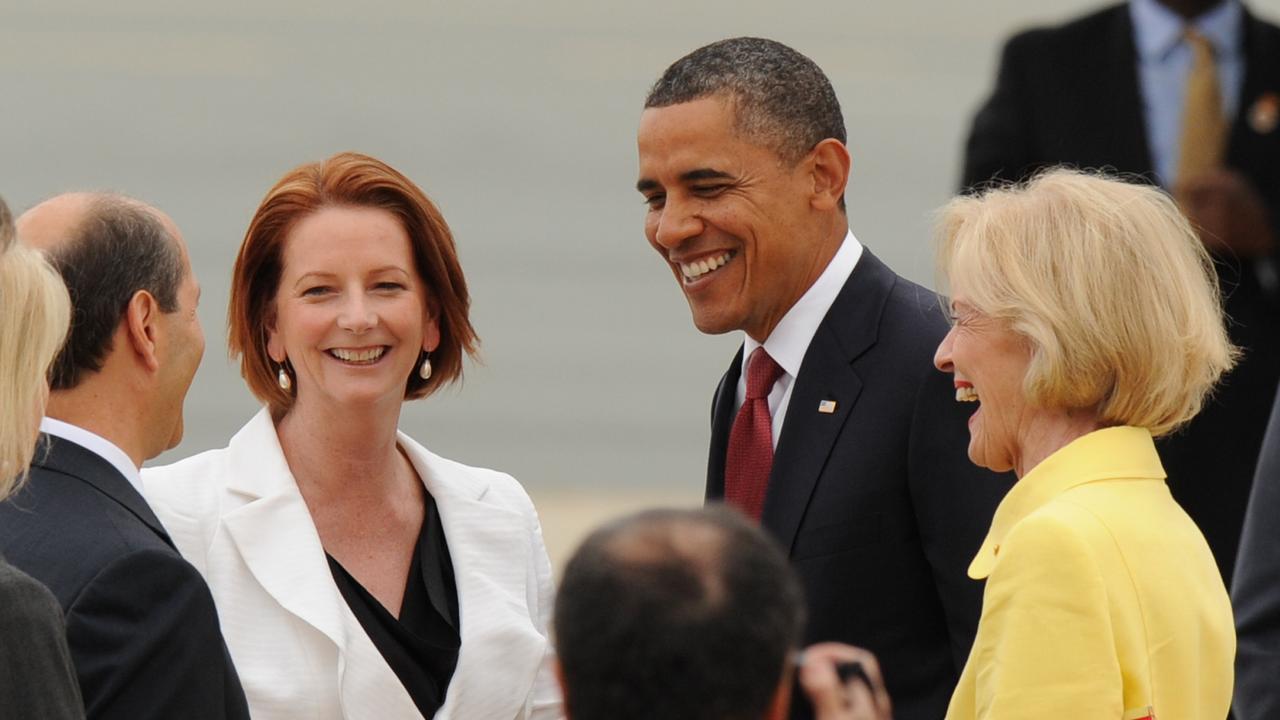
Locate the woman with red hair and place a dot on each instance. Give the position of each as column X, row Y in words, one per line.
column 356, row 573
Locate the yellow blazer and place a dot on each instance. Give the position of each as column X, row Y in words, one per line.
column 1102, row 598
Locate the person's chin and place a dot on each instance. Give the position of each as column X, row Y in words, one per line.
column 355, row 398
column 975, row 458
column 995, row 462
column 176, row 437
column 712, row 320
column 977, row 454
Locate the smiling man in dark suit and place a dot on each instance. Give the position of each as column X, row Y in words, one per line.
column 1186, row 94
column 141, row 624
column 831, row 426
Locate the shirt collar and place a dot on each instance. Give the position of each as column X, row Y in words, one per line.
column 1157, row 30
column 1107, row 454
column 790, row 340
column 97, row 445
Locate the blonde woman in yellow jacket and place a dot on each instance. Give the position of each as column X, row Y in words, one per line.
column 1086, row 321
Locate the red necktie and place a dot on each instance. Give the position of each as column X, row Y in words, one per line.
column 750, row 455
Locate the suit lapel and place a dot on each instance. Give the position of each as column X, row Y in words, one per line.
column 808, row 436
column 1262, row 58
column 489, row 546
column 721, row 423
column 1128, row 150
column 68, row 458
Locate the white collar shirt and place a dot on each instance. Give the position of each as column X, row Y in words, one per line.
column 97, row 445
column 789, row 341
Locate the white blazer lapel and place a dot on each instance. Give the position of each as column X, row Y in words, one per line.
column 276, row 536
column 277, row 540
column 490, row 548
column 274, row 532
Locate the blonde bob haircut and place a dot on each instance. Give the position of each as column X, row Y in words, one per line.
column 1108, row 282
column 34, row 314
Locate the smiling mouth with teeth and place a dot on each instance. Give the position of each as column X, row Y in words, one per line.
column 697, row 269
column 366, row 356
column 966, row 393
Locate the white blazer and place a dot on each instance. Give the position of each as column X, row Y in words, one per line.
column 237, row 515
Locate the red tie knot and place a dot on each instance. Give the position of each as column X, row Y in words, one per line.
column 762, row 373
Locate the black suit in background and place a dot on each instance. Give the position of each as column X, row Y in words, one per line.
column 1071, row 95
column 36, row 676
column 141, row 624
column 1255, row 595
column 877, row 503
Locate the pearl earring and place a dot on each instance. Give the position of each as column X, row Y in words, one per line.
column 286, row 383
column 425, row 371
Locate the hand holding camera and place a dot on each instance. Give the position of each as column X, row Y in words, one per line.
column 843, row 683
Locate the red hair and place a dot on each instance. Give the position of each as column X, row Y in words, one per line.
column 346, row 179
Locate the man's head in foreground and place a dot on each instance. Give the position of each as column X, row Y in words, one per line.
column 135, row 340
column 678, row 614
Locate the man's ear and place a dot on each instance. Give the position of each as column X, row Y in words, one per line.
column 780, row 706
column 830, row 163
column 141, row 328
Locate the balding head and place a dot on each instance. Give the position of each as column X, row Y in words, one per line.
column 107, row 247
column 676, row 613
column 55, row 221
column 59, row 220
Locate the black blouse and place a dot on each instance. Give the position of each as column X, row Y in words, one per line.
column 421, row 646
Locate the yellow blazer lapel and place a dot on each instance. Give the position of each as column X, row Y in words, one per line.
column 1106, row 454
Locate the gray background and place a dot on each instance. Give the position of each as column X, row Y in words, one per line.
column 519, row 119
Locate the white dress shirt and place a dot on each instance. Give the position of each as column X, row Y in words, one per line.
column 790, row 340
column 97, row 445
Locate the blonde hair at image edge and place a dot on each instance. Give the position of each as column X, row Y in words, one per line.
column 34, row 314
column 1109, row 283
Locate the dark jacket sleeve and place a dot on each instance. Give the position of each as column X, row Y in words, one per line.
column 37, row 679
column 146, row 643
column 1255, row 593
column 955, row 501
column 999, row 144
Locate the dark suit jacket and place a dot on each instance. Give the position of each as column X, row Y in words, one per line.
column 141, row 623
column 877, row 503
column 36, row 676
column 1071, row 95
column 1256, row 591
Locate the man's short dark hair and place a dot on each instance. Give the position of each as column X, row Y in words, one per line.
column 781, row 98
column 676, row 614
column 119, row 248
